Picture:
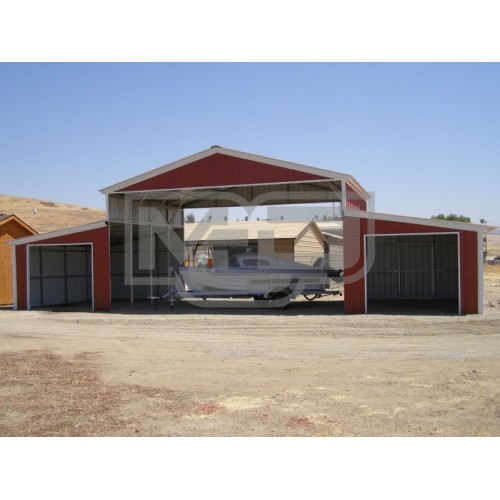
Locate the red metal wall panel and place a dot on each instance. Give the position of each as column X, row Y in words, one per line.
column 100, row 258
column 354, row 286
column 21, row 277
column 354, row 258
column 468, row 272
column 221, row 170
column 353, row 200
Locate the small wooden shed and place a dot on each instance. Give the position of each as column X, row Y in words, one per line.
column 294, row 241
column 11, row 228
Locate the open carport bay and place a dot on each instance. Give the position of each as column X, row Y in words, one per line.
column 416, row 269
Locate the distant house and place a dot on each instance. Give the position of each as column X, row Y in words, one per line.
column 333, row 232
column 294, row 241
column 11, row 228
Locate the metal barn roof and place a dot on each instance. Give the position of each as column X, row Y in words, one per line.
column 225, row 177
column 446, row 224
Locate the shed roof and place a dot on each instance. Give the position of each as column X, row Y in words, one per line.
column 57, row 234
column 4, row 218
column 459, row 226
column 251, row 230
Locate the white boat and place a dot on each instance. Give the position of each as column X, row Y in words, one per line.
column 258, row 275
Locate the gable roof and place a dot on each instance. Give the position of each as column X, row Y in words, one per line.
column 218, row 167
column 4, row 218
column 252, row 230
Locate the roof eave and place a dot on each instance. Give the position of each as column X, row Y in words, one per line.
column 460, row 226
column 327, row 174
column 57, row 234
column 19, row 221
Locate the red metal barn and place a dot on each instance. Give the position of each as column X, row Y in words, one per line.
column 394, row 258
column 133, row 254
column 62, row 267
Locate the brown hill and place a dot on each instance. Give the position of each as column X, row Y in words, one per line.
column 47, row 216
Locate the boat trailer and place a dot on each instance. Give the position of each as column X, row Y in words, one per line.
column 280, row 298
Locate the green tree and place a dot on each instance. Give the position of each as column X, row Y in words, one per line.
column 190, row 218
column 452, row 217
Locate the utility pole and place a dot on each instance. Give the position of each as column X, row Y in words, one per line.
column 485, row 242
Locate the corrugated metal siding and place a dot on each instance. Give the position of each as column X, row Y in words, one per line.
column 469, row 283
column 221, row 170
column 100, row 240
column 147, row 211
column 59, row 275
column 353, row 200
column 354, row 283
column 266, row 194
column 413, row 267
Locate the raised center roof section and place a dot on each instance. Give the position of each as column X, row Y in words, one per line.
column 219, row 167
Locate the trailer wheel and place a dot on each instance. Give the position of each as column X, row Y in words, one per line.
column 281, row 299
column 311, row 296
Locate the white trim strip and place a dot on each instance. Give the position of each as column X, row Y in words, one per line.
column 480, row 273
column 327, row 174
column 365, row 271
column 28, row 279
column 225, row 186
column 457, row 226
column 57, row 234
column 92, row 279
column 13, row 261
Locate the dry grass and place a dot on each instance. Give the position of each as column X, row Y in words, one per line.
column 491, row 272
column 44, row 394
column 50, row 216
column 54, row 396
column 493, row 241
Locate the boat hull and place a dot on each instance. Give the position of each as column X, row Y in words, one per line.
column 258, row 282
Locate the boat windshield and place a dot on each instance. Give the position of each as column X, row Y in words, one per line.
column 256, row 262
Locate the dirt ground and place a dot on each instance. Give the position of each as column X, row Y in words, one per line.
column 305, row 371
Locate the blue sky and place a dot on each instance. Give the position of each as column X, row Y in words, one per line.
column 424, row 137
